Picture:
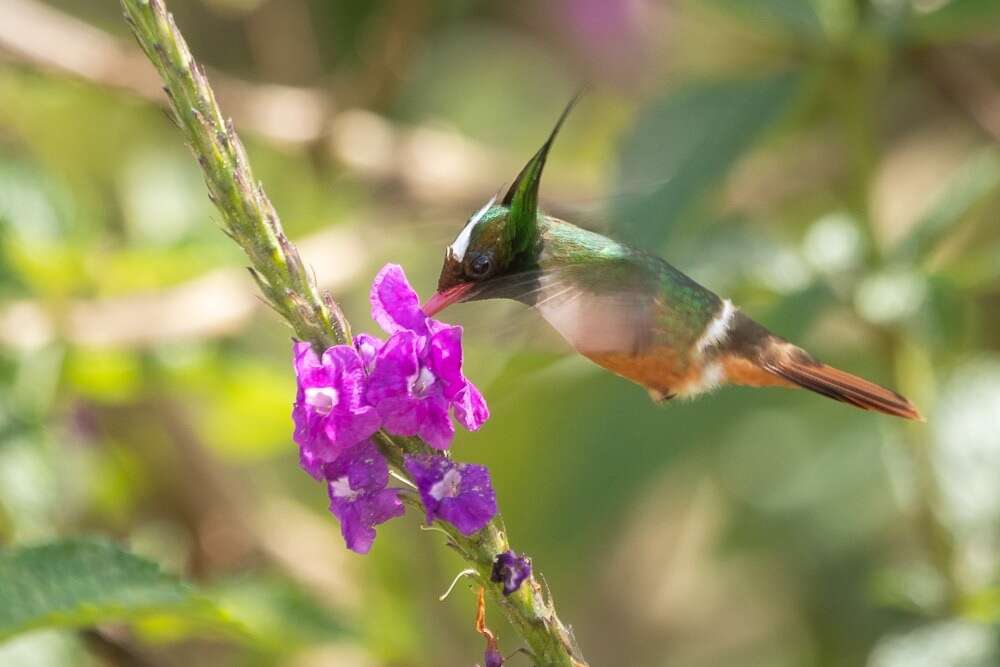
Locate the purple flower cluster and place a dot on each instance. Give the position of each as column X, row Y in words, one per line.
column 416, row 375
column 410, row 384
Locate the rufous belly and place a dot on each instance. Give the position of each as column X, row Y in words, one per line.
column 664, row 374
column 659, row 370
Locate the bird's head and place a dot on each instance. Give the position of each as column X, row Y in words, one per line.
column 497, row 241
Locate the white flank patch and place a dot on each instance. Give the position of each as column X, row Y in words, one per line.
column 718, row 329
column 461, row 243
column 712, row 375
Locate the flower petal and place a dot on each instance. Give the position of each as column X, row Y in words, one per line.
column 303, row 357
column 385, row 505
column 348, row 428
column 401, row 415
column 426, row 471
column 315, row 448
column 311, row 462
column 395, row 306
column 510, row 570
column 358, row 536
column 492, row 657
column 469, row 507
column 350, row 376
column 445, row 359
column 324, row 428
column 396, row 368
column 358, row 497
column 368, row 347
column 470, row 407
column 362, row 465
column 468, row 515
column 435, row 427
column 343, row 357
column 475, row 505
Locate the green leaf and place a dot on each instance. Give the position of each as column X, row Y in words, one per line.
column 78, row 583
column 973, row 183
column 692, row 137
column 958, row 18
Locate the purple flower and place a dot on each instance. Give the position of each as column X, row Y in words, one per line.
column 356, row 483
column 492, row 656
column 416, row 376
column 510, row 570
column 395, row 305
column 459, row 493
column 330, row 412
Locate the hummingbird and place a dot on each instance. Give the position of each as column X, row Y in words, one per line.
column 628, row 310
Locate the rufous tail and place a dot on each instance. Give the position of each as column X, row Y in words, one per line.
column 754, row 356
column 842, row 386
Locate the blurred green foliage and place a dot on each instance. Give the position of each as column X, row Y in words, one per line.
column 832, row 165
column 81, row 583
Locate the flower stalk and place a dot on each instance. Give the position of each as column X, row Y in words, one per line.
column 249, row 218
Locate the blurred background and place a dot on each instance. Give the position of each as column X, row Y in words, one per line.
column 831, row 165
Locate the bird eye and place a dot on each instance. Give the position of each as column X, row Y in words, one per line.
column 480, row 266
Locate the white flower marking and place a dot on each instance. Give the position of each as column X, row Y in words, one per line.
column 341, row 488
column 322, row 399
column 425, row 378
column 448, row 487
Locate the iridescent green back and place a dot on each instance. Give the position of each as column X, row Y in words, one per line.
column 670, row 309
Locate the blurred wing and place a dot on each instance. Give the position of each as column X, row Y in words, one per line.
column 600, row 323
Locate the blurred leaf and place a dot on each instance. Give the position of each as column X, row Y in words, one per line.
column 793, row 315
column 247, row 414
column 47, row 648
column 944, row 320
column 958, row 18
column 105, row 375
column 950, row 642
column 51, row 270
column 979, row 268
column 974, row 181
column 691, row 138
column 278, row 615
column 983, row 606
column 32, row 205
column 796, row 16
column 77, row 582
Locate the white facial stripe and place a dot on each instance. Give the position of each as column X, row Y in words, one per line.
column 718, row 329
column 461, row 243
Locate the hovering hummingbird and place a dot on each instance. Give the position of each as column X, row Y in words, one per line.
column 626, row 309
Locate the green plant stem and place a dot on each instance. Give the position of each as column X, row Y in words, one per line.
column 251, row 221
